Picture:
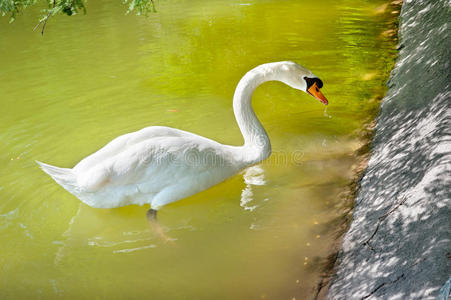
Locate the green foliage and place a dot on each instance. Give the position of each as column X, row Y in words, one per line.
column 141, row 7
column 67, row 7
column 12, row 7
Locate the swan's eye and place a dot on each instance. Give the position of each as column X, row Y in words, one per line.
column 311, row 81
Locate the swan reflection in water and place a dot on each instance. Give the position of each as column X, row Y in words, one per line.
column 253, row 176
column 141, row 238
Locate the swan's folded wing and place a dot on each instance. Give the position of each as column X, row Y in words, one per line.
column 155, row 163
column 125, row 142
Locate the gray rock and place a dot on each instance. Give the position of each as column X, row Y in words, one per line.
column 399, row 243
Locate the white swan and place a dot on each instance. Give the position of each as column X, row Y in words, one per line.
column 159, row 165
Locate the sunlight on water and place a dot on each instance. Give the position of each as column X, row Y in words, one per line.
column 263, row 233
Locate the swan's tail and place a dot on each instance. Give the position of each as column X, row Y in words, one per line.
column 63, row 176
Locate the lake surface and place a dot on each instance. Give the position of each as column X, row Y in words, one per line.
column 264, row 233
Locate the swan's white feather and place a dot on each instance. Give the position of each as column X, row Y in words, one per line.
column 156, row 165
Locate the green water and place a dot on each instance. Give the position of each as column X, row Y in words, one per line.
column 264, row 233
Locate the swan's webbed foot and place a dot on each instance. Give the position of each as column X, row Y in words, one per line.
column 152, row 218
column 151, row 215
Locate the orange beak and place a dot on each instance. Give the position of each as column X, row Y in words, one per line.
column 315, row 92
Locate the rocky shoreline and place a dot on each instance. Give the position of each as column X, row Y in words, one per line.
column 398, row 245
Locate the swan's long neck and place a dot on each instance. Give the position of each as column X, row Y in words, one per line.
column 257, row 146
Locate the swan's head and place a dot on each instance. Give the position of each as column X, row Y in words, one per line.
column 300, row 78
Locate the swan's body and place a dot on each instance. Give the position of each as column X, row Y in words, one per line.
column 159, row 165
